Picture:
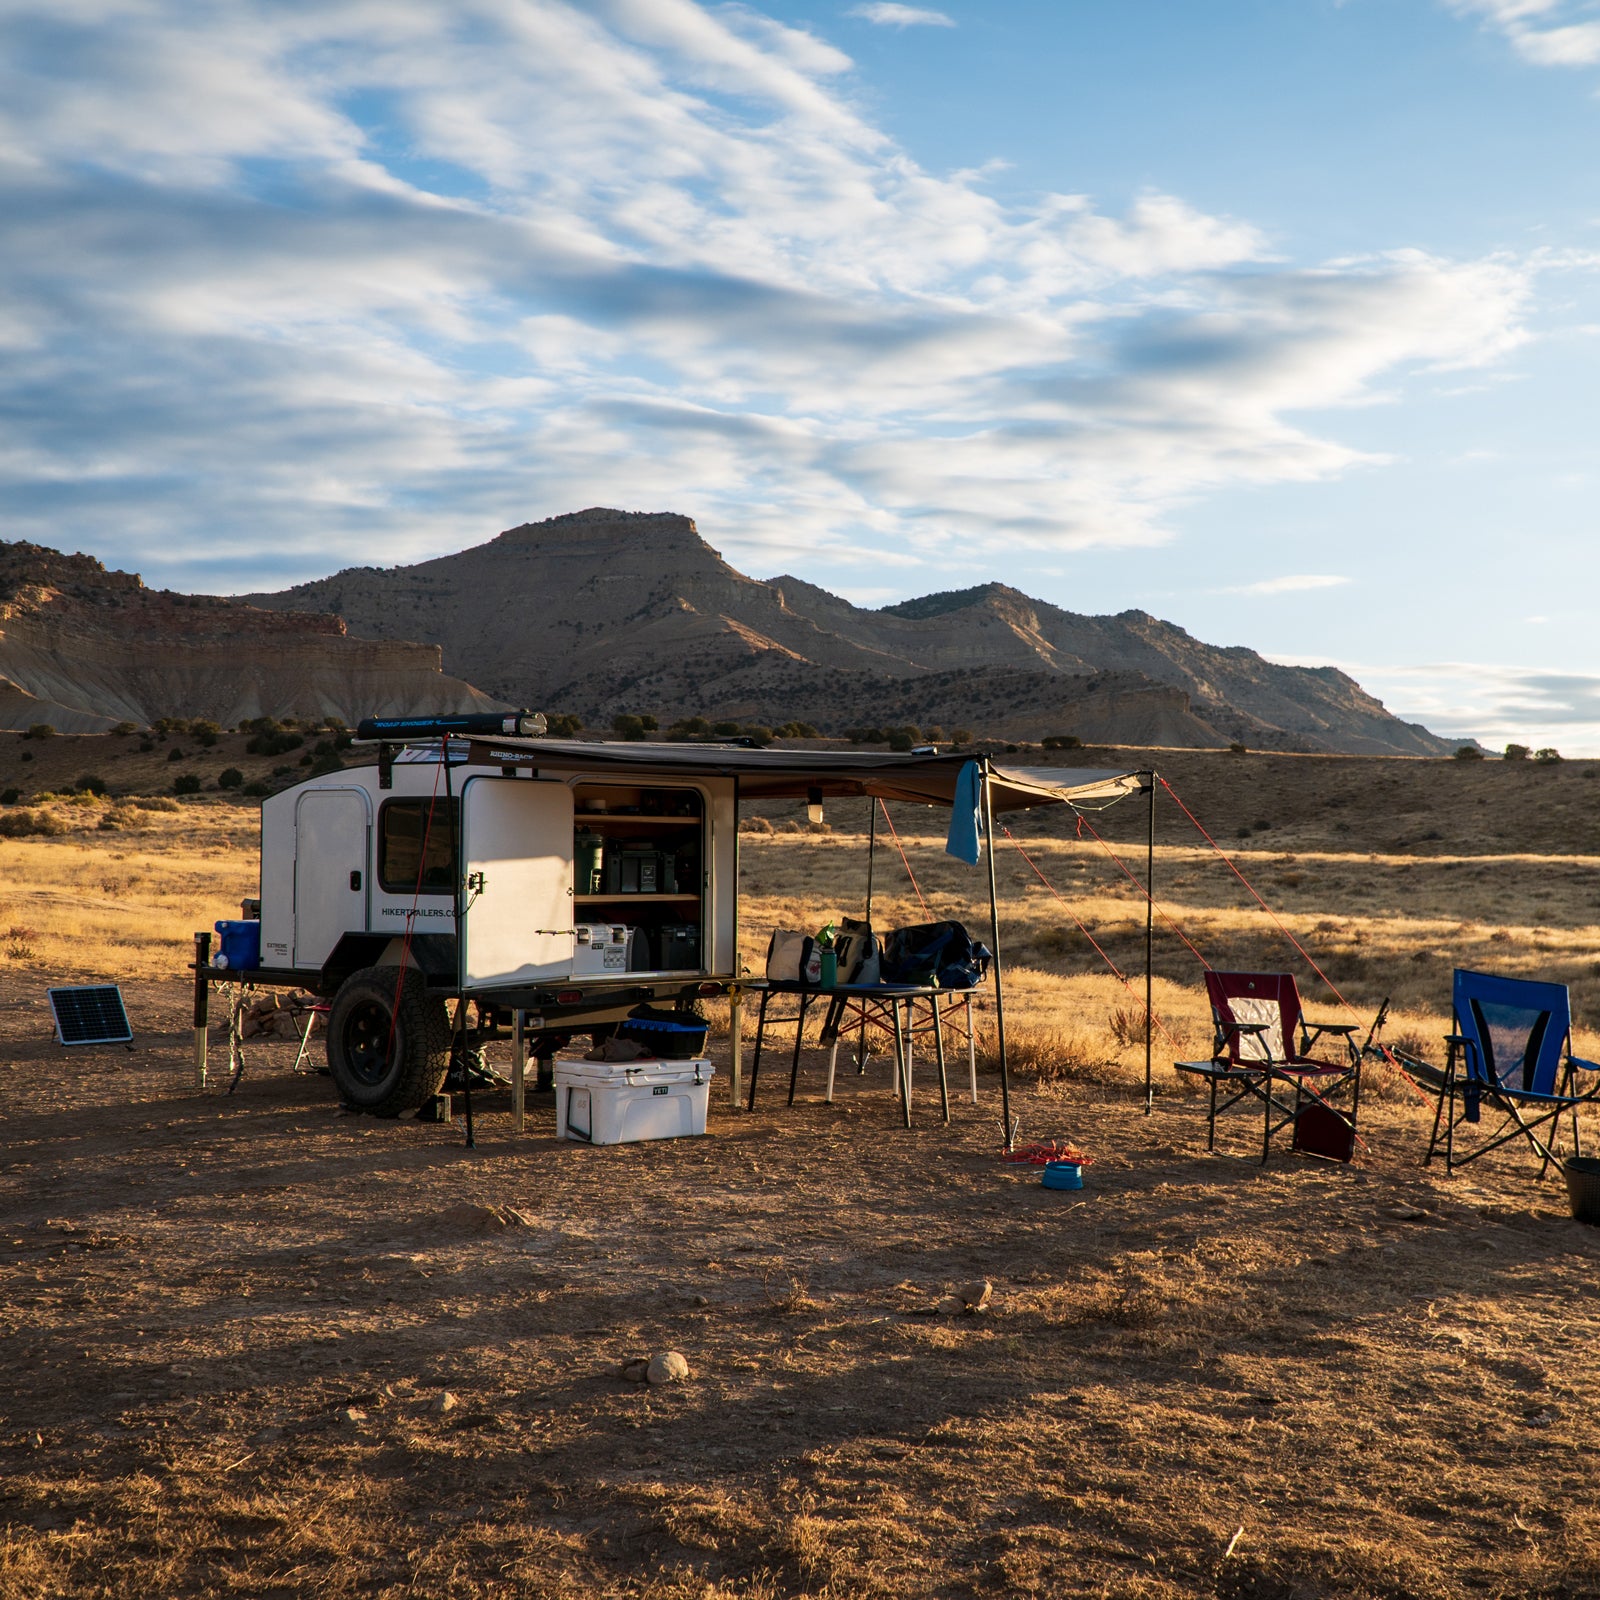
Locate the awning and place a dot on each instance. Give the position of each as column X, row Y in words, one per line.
column 792, row 774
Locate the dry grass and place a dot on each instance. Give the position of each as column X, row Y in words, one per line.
column 1379, row 1374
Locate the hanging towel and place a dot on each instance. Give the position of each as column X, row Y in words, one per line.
column 966, row 816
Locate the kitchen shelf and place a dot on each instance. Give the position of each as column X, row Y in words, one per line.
column 590, row 817
column 630, row 899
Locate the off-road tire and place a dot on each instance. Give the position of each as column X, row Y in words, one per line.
column 373, row 1071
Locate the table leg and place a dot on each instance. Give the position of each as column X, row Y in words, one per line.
column 755, row 1055
column 972, row 1050
column 735, row 1048
column 799, row 1034
column 901, row 1063
column 519, row 1071
column 938, row 1050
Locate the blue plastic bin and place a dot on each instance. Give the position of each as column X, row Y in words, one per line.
column 1063, row 1175
column 671, row 1041
column 241, row 944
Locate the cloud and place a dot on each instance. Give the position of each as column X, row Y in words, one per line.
column 1548, row 33
column 1293, row 583
column 313, row 285
column 1498, row 705
column 889, row 15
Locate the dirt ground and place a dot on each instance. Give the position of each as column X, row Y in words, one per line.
column 230, row 1321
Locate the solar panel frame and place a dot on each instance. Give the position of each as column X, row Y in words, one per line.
column 90, row 1013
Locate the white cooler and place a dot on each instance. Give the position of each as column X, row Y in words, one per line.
column 620, row 1102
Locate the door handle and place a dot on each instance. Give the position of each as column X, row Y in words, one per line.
column 355, row 879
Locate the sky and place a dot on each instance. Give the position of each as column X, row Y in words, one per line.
column 1276, row 318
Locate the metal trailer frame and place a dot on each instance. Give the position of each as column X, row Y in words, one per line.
column 574, row 1005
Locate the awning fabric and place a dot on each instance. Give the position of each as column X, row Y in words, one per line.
column 790, row 774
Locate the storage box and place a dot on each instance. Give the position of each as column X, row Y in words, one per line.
column 637, row 869
column 599, row 947
column 680, row 946
column 241, row 945
column 622, row 1102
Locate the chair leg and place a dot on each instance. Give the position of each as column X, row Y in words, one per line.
column 972, row 1052
column 1211, row 1120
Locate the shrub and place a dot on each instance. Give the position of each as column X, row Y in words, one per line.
column 230, row 778
column 154, row 802
column 10, row 797
column 273, row 742
column 725, row 730
column 758, row 736
column 175, row 753
column 186, row 783
column 257, row 790
column 1062, row 741
column 1517, row 752
column 123, row 729
column 962, row 736
column 146, row 746
column 325, row 760
column 27, row 755
column 627, row 726
column 797, row 730
column 92, row 783
column 19, row 824
column 564, row 725
column 1469, row 752
column 755, row 825
column 41, row 730
column 204, row 732
column 1237, row 749
column 901, row 739
column 1547, row 755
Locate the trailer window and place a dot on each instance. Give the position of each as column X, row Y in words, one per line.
column 404, row 826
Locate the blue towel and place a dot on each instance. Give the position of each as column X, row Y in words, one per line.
column 966, row 816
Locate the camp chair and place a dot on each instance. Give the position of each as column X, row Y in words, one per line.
column 1512, row 1047
column 1262, row 1048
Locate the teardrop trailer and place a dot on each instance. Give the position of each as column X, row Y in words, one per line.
column 540, row 887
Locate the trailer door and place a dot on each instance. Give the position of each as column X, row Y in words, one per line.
column 332, row 845
column 517, row 851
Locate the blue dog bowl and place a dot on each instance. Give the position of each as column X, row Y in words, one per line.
column 1063, row 1175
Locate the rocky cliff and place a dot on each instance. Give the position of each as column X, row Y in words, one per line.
column 602, row 611
column 83, row 649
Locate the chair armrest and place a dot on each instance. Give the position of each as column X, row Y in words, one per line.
column 1587, row 1066
column 1243, row 1027
column 1457, row 1038
column 1330, row 1027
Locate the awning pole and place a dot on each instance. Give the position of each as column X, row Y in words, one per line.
column 735, row 993
column 1149, row 935
column 459, row 1038
column 994, row 943
column 872, row 849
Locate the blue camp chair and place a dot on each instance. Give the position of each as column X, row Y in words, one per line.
column 1511, row 1050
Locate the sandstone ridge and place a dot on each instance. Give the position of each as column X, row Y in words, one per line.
column 600, row 611
column 83, row 648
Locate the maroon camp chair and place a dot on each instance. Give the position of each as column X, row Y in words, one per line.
column 1265, row 1053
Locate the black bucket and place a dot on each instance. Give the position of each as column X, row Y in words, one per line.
column 1583, row 1187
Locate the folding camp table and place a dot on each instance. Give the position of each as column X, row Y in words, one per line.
column 888, row 1007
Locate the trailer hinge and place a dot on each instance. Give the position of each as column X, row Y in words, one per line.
column 475, row 883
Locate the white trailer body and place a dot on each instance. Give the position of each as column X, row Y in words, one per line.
column 343, row 860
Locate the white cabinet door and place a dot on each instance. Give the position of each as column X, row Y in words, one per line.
column 332, row 845
column 517, row 845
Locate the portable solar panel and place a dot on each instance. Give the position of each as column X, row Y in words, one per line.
column 90, row 1014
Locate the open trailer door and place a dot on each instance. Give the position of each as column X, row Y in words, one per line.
column 516, row 845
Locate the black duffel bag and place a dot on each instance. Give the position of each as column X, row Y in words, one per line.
column 941, row 954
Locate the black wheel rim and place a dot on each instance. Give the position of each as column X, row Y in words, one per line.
column 366, row 1041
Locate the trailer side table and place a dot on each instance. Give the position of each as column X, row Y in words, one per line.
column 876, row 1005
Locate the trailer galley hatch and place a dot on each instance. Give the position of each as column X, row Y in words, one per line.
column 517, row 925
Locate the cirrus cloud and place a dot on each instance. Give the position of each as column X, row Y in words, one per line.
column 290, row 287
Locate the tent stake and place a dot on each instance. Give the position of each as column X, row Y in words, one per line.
column 994, row 937
column 1149, row 937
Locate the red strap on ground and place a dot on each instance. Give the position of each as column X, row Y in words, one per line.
column 909, row 873
column 1084, row 822
column 1089, row 936
column 1038, row 1155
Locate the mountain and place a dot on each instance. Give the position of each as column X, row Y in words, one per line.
column 83, row 649
column 603, row 611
